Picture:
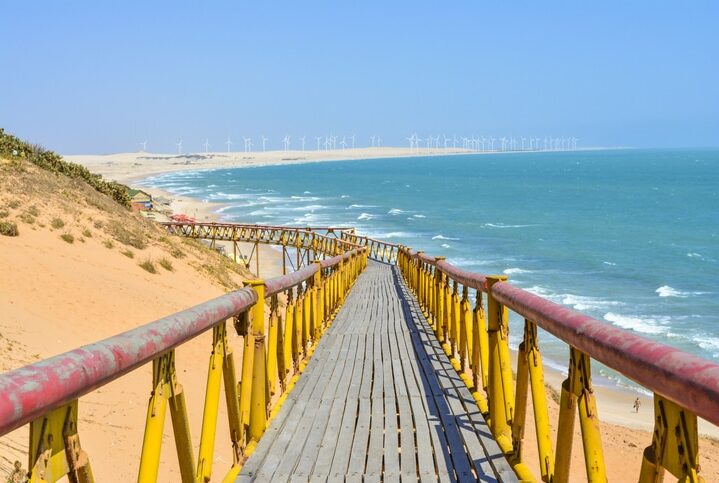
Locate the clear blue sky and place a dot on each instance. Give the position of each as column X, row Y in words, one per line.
column 91, row 77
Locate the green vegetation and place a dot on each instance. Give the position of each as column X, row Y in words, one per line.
column 8, row 228
column 87, row 233
column 109, row 244
column 68, row 237
column 177, row 253
column 13, row 148
column 14, row 204
column 148, row 266
column 57, row 223
column 27, row 218
column 166, row 264
column 4, row 213
column 33, row 211
column 128, row 253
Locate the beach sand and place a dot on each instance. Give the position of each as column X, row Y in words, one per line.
column 128, row 167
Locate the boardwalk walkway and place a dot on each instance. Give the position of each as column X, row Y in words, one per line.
column 379, row 401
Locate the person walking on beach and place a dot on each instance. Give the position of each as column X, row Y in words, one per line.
column 637, row 403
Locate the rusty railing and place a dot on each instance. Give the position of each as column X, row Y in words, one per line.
column 476, row 339
column 275, row 351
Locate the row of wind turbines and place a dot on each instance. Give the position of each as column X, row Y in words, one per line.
column 429, row 144
column 472, row 143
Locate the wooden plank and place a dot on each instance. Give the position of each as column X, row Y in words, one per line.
column 358, row 454
column 378, row 401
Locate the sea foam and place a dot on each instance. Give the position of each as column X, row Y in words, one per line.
column 644, row 325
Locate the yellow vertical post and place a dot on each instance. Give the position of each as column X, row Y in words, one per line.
column 465, row 339
column 439, row 296
column 272, row 344
column 319, row 301
column 675, row 444
column 155, row 421
column 212, row 401
column 480, row 355
column 447, row 316
column 248, row 359
column 539, row 402
column 520, row 403
column 181, row 429
column 258, row 410
column 454, row 321
column 565, row 433
column 500, row 369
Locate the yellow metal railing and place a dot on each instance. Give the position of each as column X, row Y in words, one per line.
column 476, row 339
column 275, row 351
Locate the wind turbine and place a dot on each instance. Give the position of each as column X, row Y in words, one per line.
column 319, row 138
column 264, row 142
column 372, row 138
column 207, row 145
column 286, row 142
column 343, row 143
column 353, row 141
column 229, row 143
column 179, row 147
column 303, row 142
column 248, row 144
column 379, row 141
column 144, row 145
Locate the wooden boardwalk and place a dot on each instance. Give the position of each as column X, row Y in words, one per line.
column 378, row 401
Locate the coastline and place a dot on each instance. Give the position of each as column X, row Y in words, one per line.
column 133, row 167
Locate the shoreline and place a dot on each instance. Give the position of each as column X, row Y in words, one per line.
column 614, row 402
column 133, row 167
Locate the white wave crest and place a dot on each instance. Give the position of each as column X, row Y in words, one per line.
column 577, row 302
column 361, row 206
column 694, row 255
column 445, row 245
column 365, row 216
column 442, row 237
column 502, row 225
column 395, row 211
column 514, row 271
column 667, row 291
column 644, row 325
column 419, row 216
column 344, row 196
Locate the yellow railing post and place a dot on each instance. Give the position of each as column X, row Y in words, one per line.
column 155, row 421
column 465, row 345
column 675, row 444
column 54, row 450
column 439, row 297
column 500, row 369
column 258, row 405
column 212, row 401
column 577, row 393
column 480, row 354
column 272, row 339
column 318, row 301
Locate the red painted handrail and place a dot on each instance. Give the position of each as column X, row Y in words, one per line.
column 29, row 392
column 686, row 379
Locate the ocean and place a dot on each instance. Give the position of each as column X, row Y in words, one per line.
column 630, row 237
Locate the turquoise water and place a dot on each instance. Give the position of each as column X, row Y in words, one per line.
column 630, row 237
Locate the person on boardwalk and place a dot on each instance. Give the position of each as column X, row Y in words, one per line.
column 637, row 403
